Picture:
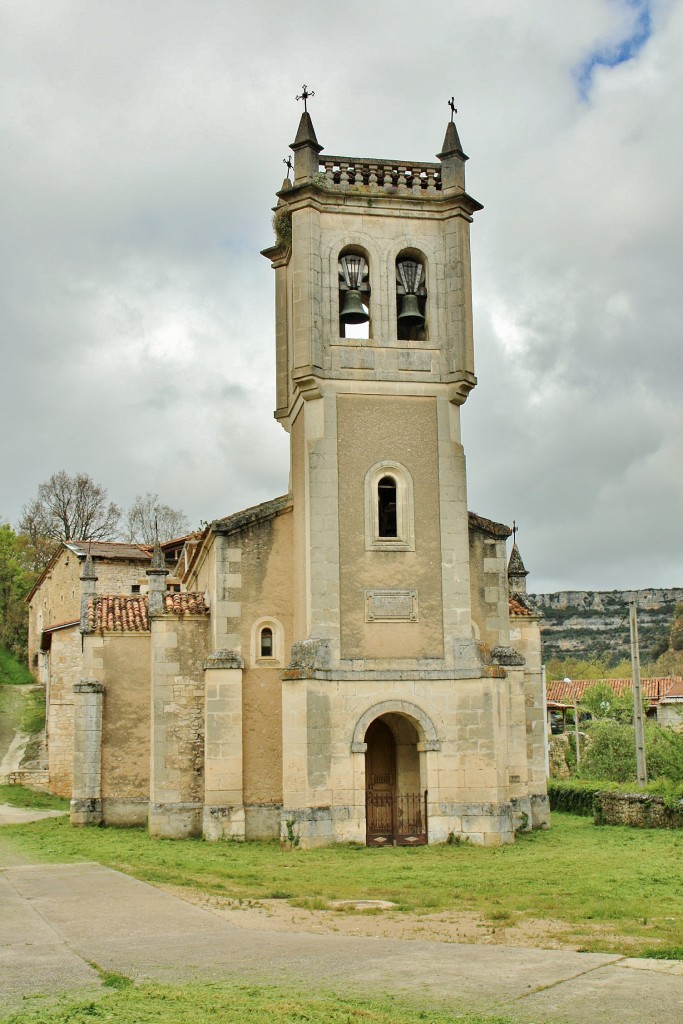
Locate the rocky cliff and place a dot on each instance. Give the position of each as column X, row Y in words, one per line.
column 590, row 624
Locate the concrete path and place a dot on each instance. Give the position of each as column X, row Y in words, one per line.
column 21, row 815
column 57, row 920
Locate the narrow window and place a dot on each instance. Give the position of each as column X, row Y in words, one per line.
column 267, row 642
column 386, row 507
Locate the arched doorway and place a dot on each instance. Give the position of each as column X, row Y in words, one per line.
column 395, row 803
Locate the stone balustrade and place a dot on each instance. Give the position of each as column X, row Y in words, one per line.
column 391, row 175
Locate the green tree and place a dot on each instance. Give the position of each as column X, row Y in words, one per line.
column 18, row 573
column 676, row 640
column 578, row 668
column 610, row 753
column 601, row 701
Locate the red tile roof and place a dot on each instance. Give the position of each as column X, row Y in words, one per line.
column 186, row 604
column 118, row 613
column 121, row 613
column 658, row 686
column 676, row 690
column 517, row 608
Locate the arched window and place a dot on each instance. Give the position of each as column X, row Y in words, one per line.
column 386, row 507
column 267, row 645
column 411, row 298
column 266, row 642
column 354, row 295
column 389, row 515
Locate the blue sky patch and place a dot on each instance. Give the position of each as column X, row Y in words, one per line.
column 611, row 54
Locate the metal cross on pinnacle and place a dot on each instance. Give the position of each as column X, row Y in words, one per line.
column 451, row 104
column 305, row 95
column 287, row 161
column 515, row 530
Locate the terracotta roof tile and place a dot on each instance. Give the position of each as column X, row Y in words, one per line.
column 186, row 604
column 128, row 612
column 675, row 692
column 118, row 613
column 517, row 607
column 653, row 688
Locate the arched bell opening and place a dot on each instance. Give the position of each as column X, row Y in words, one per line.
column 396, row 802
column 411, row 296
column 354, row 293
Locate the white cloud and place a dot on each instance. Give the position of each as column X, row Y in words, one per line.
column 142, row 157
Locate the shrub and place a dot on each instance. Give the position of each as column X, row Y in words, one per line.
column 33, row 711
column 576, row 795
column 611, row 752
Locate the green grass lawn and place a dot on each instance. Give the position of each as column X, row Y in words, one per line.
column 228, row 1003
column 22, row 796
column 615, row 889
column 13, row 672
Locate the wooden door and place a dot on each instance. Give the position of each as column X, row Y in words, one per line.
column 380, row 784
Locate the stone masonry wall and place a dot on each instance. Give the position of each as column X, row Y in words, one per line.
column 639, row 810
column 65, row 671
column 179, row 650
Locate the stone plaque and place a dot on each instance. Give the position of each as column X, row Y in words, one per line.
column 391, row 605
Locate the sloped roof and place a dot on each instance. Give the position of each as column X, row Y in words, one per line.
column 675, row 691
column 118, row 612
column 653, row 688
column 127, row 613
column 519, row 607
column 487, row 526
column 110, row 549
column 185, row 604
column 254, row 514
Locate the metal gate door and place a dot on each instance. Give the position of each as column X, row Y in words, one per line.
column 396, row 819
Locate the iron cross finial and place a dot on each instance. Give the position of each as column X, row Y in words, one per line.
column 451, row 104
column 305, row 95
column 515, row 530
column 288, row 162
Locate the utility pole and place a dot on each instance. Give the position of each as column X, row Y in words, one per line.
column 546, row 724
column 577, row 742
column 637, row 695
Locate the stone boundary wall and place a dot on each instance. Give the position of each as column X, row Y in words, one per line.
column 639, row 810
column 32, row 778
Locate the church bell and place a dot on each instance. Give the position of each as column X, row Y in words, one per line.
column 410, row 311
column 409, row 273
column 353, row 270
column 352, row 310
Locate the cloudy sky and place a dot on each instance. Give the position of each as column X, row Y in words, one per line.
column 142, row 146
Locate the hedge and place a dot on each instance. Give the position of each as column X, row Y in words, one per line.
column 576, row 795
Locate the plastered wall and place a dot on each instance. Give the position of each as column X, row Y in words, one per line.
column 266, row 569
column 64, row 670
column 370, row 430
column 126, row 715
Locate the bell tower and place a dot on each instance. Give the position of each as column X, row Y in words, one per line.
column 374, row 359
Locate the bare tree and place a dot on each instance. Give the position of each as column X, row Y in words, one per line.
column 70, row 508
column 147, row 515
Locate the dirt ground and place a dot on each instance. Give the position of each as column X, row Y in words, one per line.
column 446, row 926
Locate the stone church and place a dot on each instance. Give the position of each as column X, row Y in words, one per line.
column 355, row 660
